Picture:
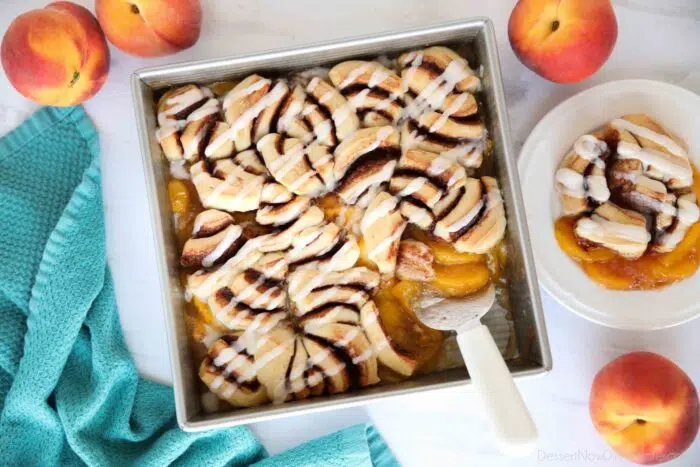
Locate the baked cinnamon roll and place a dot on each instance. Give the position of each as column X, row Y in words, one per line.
column 621, row 230
column 186, row 118
column 382, row 226
column 287, row 373
column 631, row 180
column 205, row 282
column 373, row 91
column 670, row 233
column 227, row 186
column 282, row 237
column 215, row 238
column 331, row 115
column 365, row 160
column 439, row 67
column 580, row 179
column 229, row 371
column 250, row 109
column 414, row 261
column 254, row 299
column 323, row 247
column 463, row 142
column 276, row 213
column 440, row 106
column 663, row 156
column 472, row 217
column 328, row 308
column 287, row 161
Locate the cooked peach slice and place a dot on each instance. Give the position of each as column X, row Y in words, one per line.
column 601, row 274
column 404, row 328
column 407, row 293
column 460, row 280
column 446, row 254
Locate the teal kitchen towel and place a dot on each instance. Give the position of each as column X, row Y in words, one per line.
column 69, row 391
column 359, row 445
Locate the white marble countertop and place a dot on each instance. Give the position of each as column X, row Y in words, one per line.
column 657, row 40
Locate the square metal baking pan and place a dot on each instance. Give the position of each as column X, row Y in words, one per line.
column 475, row 35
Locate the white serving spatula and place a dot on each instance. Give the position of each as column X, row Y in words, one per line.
column 509, row 418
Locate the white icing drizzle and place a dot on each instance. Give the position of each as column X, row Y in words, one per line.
column 418, row 216
column 454, row 107
column 168, row 129
column 439, row 165
column 378, row 77
column 597, row 225
column 413, row 186
column 293, row 111
column 355, row 74
column 210, row 107
column 382, row 134
column 313, row 84
column 296, row 184
column 646, row 133
column 234, row 95
column 434, row 94
column 688, row 212
column 175, row 105
column 328, row 95
column 224, row 185
column 343, row 112
column 178, row 170
column 231, row 236
column 322, row 321
column 246, row 117
column 211, row 335
column 570, row 182
column 415, row 59
column 385, row 103
column 191, row 148
column 589, row 147
column 598, row 188
column 383, row 209
column 247, row 251
column 669, row 165
column 287, row 162
column 467, row 218
column 323, row 129
column 182, row 101
column 459, row 153
column 386, row 243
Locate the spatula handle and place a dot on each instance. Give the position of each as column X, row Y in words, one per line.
column 510, row 420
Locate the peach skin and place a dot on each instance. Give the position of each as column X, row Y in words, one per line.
column 56, row 55
column 645, row 407
column 563, row 40
column 150, row 28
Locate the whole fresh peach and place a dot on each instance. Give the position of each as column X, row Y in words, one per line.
column 56, row 55
column 149, row 28
column 564, row 42
column 645, row 407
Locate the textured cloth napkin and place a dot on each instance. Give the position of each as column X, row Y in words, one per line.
column 69, row 391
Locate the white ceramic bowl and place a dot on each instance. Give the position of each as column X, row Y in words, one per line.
column 676, row 109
